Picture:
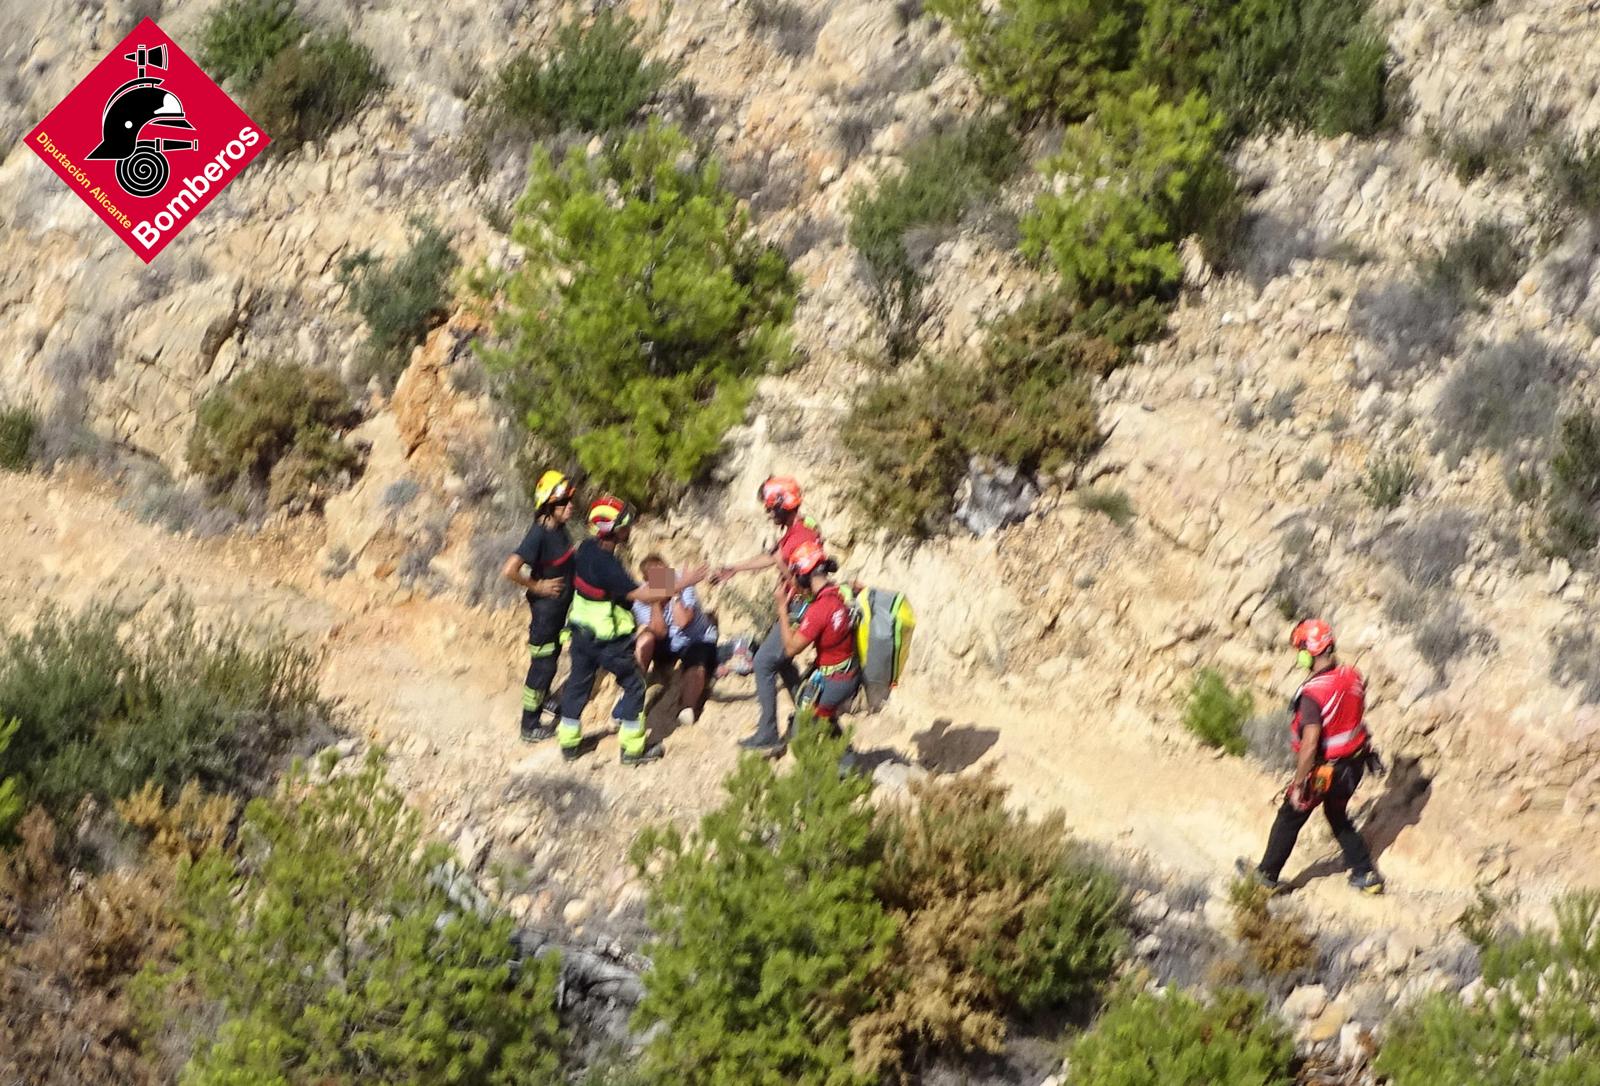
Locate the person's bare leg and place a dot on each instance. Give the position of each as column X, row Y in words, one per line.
column 692, row 691
column 644, row 650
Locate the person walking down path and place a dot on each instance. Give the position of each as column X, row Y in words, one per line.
column 542, row 567
column 602, row 626
column 780, row 496
column 1333, row 751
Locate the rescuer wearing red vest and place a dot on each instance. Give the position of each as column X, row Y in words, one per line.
column 1332, row 749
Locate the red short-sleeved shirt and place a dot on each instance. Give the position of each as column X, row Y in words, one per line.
column 826, row 624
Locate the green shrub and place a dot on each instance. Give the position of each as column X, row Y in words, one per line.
column 1387, row 480
column 1485, row 260
column 631, row 337
column 1216, row 714
column 1311, row 64
column 1172, row 1039
column 596, row 79
column 11, row 801
column 241, row 37
column 997, row 915
column 18, row 425
column 1570, row 181
column 1045, row 58
column 1571, row 528
column 401, row 301
column 333, row 956
column 104, row 712
column 1123, row 325
column 913, row 436
column 1135, row 180
column 944, row 175
column 1112, row 504
column 309, row 89
column 769, row 928
column 1540, row 1029
column 274, row 428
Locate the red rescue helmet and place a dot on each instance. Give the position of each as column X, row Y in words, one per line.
column 609, row 515
column 779, row 492
column 807, row 558
column 1313, row 635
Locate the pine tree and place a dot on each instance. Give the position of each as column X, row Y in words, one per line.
column 770, row 931
column 337, row 960
column 631, row 336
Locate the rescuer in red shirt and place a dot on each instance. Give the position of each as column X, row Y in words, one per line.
column 1332, row 747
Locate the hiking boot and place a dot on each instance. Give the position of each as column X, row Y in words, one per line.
column 1368, row 882
column 768, row 746
column 570, row 754
column 653, row 753
column 538, row 733
column 1253, row 874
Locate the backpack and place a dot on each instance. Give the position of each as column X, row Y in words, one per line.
column 884, row 624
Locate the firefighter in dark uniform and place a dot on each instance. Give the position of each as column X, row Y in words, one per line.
column 602, row 624
column 546, row 555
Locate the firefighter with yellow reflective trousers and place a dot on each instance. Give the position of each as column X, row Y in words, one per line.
column 542, row 567
column 601, row 625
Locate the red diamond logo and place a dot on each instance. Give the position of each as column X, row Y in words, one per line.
column 147, row 140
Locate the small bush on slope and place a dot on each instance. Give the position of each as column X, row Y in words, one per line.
column 944, row 175
column 335, row 958
column 240, row 38
column 596, row 78
column 632, row 336
column 310, row 89
column 275, row 429
column 1173, row 1039
column 1542, row 1027
column 18, row 425
column 402, row 300
column 1268, row 64
column 770, row 929
column 1027, row 402
column 997, row 915
column 1216, row 714
column 102, row 713
column 1134, row 181
column 1045, row 58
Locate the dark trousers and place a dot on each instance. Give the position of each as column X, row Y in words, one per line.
column 772, row 664
column 591, row 656
column 1335, row 805
column 546, row 622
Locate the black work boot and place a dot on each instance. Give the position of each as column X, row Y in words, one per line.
column 537, row 733
column 762, row 742
column 652, row 753
column 1253, row 874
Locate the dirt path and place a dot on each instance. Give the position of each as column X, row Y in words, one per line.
column 438, row 683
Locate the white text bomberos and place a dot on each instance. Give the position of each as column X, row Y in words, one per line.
column 193, row 187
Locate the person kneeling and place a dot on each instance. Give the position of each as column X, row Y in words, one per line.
column 828, row 624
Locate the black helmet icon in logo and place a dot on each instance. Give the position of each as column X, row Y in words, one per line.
column 137, row 104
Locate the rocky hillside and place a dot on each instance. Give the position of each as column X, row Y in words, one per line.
column 1242, row 440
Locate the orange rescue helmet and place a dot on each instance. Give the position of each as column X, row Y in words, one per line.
column 1313, row 635
column 807, row 558
column 779, row 492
